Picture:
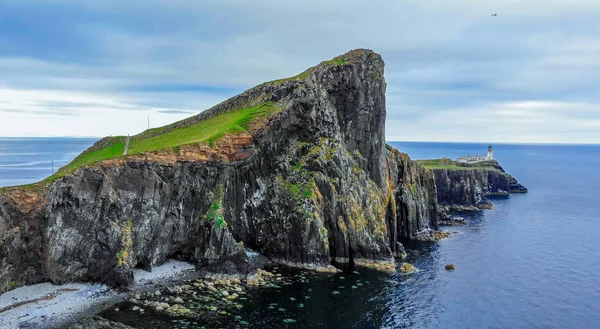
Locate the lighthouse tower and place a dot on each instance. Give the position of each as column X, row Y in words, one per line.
column 490, row 153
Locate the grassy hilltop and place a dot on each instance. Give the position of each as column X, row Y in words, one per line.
column 446, row 163
column 206, row 131
column 200, row 129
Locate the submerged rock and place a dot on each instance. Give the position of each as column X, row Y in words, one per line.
column 448, row 220
column 327, row 269
column 438, row 235
column 450, row 267
column 407, row 268
column 179, row 310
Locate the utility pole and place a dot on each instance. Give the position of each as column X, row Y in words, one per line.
column 52, row 167
column 148, row 122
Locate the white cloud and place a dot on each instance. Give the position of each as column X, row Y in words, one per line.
column 515, row 122
column 451, row 68
column 65, row 113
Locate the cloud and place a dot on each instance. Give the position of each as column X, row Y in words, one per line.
column 515, row 122
column 176, row 112
column 450, row 66
column 75, row 113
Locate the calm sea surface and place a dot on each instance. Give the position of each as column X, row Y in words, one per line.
column 29, row 160
column 531, row 262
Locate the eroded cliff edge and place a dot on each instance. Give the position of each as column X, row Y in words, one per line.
column 467, row 187
column 311, row 184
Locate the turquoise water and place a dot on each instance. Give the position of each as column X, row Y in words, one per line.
column 531, row 262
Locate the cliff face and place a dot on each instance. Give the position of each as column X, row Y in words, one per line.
column 468, row 188
column 314, row 183
column 413, row 208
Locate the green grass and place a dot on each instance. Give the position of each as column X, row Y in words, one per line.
column 336, row 61
column 215, row 212
column 206, row 131
column 304, row 75
column 447, row 164
column 26, row 187
column 89, row 157
column 447, row 167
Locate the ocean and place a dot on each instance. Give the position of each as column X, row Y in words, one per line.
column 533, row 261
column 29, row 160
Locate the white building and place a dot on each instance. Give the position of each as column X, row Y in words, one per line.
column 477, row 158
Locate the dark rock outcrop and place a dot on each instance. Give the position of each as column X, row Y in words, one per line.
column 467, row 189
column 316, row 184
column 413, row 212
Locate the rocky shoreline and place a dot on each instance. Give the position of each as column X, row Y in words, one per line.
column 167, row 290
column 54, row 306
column 310, row 186
column 209, row 298
column 468, row 188
column 317, row 183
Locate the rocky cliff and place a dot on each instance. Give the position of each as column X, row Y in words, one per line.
column 311, row 184
column 467, row 186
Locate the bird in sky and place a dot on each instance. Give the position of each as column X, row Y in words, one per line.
column 494, row 14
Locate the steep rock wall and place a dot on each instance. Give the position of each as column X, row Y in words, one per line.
column 413, row 212
column 468, row 188
column 316, row 184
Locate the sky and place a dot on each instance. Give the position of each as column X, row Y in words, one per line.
column 454, row 72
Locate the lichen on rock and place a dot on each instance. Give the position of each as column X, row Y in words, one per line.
column 311, row 183
column 467, row 188
column 408, row 268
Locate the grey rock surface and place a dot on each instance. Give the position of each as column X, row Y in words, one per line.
column 462, row 189
column 317, row 184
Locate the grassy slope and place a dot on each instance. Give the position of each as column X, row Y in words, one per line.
column 302, row 76
column 445, row 164
column 205, row 131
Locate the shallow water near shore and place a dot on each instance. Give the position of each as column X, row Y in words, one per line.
column 303, row 299
column 530, row 262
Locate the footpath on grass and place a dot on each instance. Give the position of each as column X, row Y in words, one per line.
column 126, row 145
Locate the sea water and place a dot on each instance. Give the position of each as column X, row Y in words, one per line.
column 29, row 160
column 533, row 261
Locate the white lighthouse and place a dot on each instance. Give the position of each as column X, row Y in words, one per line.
column 477, row 158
